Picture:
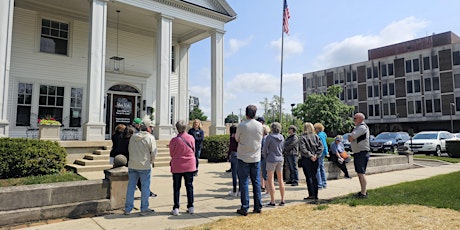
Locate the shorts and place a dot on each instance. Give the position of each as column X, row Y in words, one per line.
column 360, row 160
column 274, row 166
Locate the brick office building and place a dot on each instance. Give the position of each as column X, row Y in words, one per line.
column 409, row 85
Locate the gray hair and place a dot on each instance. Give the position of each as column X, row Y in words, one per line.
column 276, row 127
column 181, row 126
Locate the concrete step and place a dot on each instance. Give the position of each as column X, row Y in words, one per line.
column 97, row 157
column 102, row 152
column 88, row 168
column 86, row 162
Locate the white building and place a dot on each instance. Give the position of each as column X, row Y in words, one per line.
column 57, row 58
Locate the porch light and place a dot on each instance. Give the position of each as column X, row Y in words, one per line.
column 117, row 63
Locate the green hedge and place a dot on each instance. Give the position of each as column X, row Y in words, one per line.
column 215, row 148
column 20, row 157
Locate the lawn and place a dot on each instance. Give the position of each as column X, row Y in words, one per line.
column 446, row 159
column 63, row 177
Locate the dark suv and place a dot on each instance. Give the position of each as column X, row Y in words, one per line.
column 388, row 141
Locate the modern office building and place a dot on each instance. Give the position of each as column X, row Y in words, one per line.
column 92, row 64
column 413, row 85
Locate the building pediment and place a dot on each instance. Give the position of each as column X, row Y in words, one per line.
column 220, row 6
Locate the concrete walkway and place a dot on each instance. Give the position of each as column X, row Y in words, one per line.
column 212, row 203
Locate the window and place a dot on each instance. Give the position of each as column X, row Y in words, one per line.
column 418, row 106
column 457, row 104
column 377, row 110
column 416, row 86
column 348, row 76
column 384, row 70
column 349, row 94
column 429, row 106
column 371, row 110
column 375, row 72
column 416, row 65
column 409, row 86
column 384, row 89
column 354, row 75
column 390, row 69
column 427, row 84
column 369, row 91
column 173, row 60
column 435, row 83
column 457, row 80
column 391, row 88
column 408, row 66
column 456, row 58
column 51, row 102
column 426, row 63
column 437, row 105
column 76, row 98
column 385, row 109
column 434, row 62
column 355, row 93
column 54, row 37
column 24, row 104
column 369, row 73
column 410, row 107
column 376, row 91
column 393, row 108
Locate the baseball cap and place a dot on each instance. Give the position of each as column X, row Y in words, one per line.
column 137, row 120
column 338, row 139
column 147, row 122
column 293, row 127
column 260, row 119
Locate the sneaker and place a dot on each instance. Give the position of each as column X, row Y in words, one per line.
column 270, row 204
column 152, row 195
column 242, row 212
column 231, row 193
column 126, row 213
column 309, row 198
column 359, row 195
column 289, row 182
column 175, row 212
column 262, row 189
column 191, row 210
column 347, row 177
column 265, row 195
column 238, row 194
column 281, row 203
column 146, row 212
column 230, row 170
column 294, row 184
column 259, row 211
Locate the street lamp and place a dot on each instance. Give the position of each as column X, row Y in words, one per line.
column 452, row 110
column 292, row 112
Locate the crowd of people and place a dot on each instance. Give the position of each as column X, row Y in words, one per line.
column 257, row 152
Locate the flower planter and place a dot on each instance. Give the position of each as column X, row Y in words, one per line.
column 49, row 132
column 453, row 148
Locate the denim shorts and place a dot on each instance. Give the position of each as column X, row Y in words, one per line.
column 360, row 160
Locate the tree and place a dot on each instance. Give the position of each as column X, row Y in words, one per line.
column 196, row 113
column 231, row 118
column 272, row 108
column 328, row 110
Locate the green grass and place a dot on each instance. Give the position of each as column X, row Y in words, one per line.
column 441, row 191
column 63, row 177
column 446, row 159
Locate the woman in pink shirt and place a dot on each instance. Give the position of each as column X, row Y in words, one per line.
column 183, row 164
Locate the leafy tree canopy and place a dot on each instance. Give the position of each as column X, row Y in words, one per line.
column 231, row 118
column 196, row 113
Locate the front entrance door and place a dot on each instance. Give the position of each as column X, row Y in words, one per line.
column 123, row 109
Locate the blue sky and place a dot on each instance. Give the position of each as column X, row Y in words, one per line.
column 322, row 34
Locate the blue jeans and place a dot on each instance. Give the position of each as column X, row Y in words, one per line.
column 245, row 171
column 197, row 157
column 321, row 174
column 177, row 181
column 134, row 175
column 234, row 167
column 291, row 161
column 310, row 168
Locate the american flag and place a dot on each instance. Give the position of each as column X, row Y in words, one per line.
column 286, row 17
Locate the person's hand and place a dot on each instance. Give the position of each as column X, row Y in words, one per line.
column 313, row 158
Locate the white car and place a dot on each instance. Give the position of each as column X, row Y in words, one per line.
column 429, row 142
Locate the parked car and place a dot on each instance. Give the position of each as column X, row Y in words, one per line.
column 388, row 141
column 429, row 142
column 345, row 142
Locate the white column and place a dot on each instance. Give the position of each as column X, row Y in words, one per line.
column 6, row 28
column 183, row 100
column 94, row 128
column 217, row 83
column 163, row 127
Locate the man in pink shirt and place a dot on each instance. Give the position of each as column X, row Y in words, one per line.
column 183, row 164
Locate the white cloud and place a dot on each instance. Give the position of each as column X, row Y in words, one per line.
column 354, row 49
column 234, row 45
column 253, row 82
column 292, row 46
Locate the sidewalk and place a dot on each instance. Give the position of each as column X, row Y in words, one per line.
column 212, row 203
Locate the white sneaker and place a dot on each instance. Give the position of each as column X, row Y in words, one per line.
column 175, row 212
column 231, row 193
column 238, row 194
column 265, row 195
column 191, row 210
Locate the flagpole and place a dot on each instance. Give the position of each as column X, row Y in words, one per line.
column 281, row 72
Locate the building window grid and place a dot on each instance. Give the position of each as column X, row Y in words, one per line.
column 408, row 66
column 51, row 102
column 23, row 110
column 416, row 65
column 54, row 37
column 426, row 63
column 456, row 58
column 76, row 104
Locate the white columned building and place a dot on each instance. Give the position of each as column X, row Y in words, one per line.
column 217, row 83
column 6, row 26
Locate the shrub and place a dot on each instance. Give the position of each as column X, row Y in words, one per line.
column 21, row 157
column 215, row 148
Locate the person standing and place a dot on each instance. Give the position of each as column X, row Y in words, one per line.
column 321, row 174
column 359, row 140
column 337, row 148
column 311, row 149
column 290, row 151
column 197, row 132
column 273, row 153
column 142, row 152
column 118, row 142
column 183, row 165
column 233, row 158
column 263, row 163
column 249, row 137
